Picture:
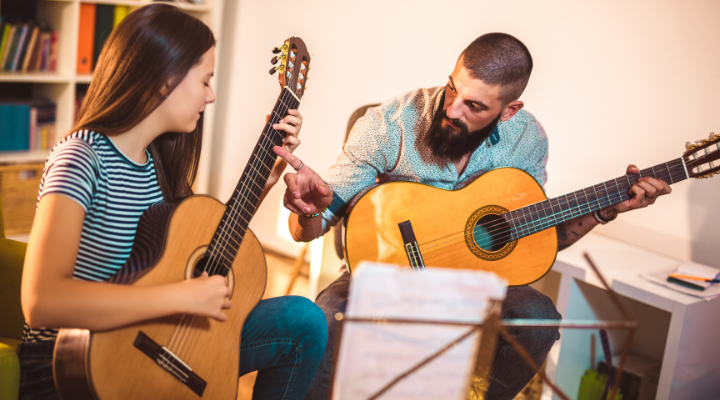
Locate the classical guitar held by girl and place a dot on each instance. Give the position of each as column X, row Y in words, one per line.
column 502, row 222
column 184, row 356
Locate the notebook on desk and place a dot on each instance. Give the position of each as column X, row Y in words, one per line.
column 701, row 289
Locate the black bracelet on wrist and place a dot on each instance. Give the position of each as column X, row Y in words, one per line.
column 604, row 220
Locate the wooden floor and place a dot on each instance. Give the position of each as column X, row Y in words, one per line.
column 279, row 269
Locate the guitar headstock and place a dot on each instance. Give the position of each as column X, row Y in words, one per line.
column 701, row 156
column 294, row 65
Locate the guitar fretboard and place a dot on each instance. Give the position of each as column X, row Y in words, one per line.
column 546, row 214
column 242, row 205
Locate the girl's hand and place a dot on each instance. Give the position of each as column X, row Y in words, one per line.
column 291, row 124
column 207, row 296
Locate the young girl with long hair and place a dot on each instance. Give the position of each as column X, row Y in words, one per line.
column 136, row 142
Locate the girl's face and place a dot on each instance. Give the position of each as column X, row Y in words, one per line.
column 183, row 106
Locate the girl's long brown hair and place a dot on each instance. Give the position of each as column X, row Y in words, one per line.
column 153, row 46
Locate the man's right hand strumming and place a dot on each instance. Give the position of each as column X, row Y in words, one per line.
column 306, row 196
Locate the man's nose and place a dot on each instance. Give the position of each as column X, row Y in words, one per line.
column 455, row 109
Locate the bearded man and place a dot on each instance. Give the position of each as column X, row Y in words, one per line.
column 446, row 137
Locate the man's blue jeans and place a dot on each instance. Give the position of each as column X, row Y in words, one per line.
column 509, row 372
column 284, row 338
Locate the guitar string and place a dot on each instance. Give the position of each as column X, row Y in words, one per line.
column 521, row 229
column 244, row 190
column 565, row 215
column 212, row 265
column 222, row 241
column 544, row 209
column 449, row 255
column 502, row 238
column 553, row 215
column 559, row 199
column 215, row 262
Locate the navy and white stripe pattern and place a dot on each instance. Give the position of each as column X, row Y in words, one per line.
column 114, row 191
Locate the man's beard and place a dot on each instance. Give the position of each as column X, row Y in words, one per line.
column 447, row 144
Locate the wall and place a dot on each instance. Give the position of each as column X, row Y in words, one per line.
column 615, row 82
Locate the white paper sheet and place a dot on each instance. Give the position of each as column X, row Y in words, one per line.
column 712, row 290
column 372, row 355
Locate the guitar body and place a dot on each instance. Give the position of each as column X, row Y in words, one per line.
column 441, row 219
column 109, row 365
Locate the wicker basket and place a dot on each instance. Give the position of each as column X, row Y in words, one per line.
column 18, row 192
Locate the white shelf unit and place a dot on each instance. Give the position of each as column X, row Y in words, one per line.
column 677, row 331
column 64, row 17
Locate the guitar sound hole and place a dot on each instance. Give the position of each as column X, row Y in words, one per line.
column 492, row 232
column 202, row 266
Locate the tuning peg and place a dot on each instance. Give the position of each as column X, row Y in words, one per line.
column 273, row 70
column 274, row 60
column 276, row 50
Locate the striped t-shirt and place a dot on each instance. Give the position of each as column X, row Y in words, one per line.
column 114, row 191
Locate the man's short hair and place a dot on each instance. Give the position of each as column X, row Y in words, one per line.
column 499, row 59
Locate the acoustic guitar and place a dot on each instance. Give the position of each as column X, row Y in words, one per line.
column 502, row 222
column 186, row 356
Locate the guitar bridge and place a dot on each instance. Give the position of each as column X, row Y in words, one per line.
column 171, row 363
column 412, row 250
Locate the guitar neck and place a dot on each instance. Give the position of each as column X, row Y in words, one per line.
column 245, row 199
column 552, row 212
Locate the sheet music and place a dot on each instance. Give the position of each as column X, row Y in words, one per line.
column 371, row 355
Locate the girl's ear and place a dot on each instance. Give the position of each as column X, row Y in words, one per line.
column 165, row 90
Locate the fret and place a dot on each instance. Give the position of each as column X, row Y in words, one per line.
column 607, row 194
column 539, row 220
column 243, row 204
column 262, row 163
column 524, row 224
column 260, row 186
column 531, row 223
column 618, row 189
column 251, row 192
column 552, row 212
column 552, row 209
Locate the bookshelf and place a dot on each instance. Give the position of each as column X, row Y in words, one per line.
column 61, row 86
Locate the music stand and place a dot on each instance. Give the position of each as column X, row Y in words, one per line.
column 491, row 327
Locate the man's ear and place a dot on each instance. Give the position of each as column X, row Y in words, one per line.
column 511, row 109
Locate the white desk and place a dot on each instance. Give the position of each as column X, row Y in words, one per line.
column 682, row 332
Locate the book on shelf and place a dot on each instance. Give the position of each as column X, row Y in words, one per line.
column 27, row 125
column 86, row 38
column 22, row 46
column 96, row 23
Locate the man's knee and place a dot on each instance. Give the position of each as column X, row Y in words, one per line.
column 525, row 302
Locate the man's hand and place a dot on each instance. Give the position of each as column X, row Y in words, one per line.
column 306, row 192
column 644, row 192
